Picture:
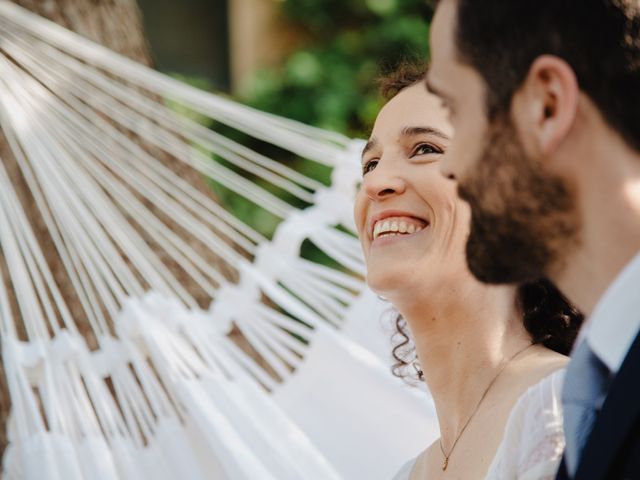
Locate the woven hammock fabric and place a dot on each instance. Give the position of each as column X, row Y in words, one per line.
column 166, row 393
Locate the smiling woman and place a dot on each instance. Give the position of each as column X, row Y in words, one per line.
column 398, row 164
column 492, row 356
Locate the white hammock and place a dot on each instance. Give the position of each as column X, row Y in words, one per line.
column 167, row 394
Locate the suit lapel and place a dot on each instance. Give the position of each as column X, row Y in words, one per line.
column 619, row 411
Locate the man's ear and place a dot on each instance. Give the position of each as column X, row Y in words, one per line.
column 545, row 106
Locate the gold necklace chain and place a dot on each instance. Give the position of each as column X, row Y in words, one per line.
column 445, row 463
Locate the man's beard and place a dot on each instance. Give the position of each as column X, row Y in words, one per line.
column 522, row 219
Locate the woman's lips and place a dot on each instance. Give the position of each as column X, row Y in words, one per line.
column 396, row 226
column 392, row 238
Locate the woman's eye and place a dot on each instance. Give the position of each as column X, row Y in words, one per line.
column 426, row 149
column 369, row 166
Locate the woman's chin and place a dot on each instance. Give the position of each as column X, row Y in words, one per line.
column 388, row 284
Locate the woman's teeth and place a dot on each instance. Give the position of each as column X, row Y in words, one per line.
column 392, row 227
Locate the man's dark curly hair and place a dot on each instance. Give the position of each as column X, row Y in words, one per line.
column 547, row 315
column 597, row 38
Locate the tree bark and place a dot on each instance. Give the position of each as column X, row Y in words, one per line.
column 116, row 24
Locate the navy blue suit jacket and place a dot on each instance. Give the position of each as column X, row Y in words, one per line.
column 613, row 448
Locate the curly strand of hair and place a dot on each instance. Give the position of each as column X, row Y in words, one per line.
column 402, row 350
column 548, row 316
column 405, row 75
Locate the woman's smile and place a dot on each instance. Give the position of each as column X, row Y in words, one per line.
column 388, row 232
column 406, row 211
column 395, row 223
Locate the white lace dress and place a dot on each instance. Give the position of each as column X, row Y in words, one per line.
column 533, row 441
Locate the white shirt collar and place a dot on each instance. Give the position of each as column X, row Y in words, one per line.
column 615, row 321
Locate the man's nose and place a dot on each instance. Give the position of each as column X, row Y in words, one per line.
column 446, row 167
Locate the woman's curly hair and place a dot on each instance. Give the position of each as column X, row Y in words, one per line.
column 547, row 315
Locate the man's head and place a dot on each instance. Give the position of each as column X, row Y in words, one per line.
column 524, row 80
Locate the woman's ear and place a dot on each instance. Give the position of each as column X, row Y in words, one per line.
column 544, row 108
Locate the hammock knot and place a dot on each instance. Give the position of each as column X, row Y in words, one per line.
column 65, row 346
column 232, row 301
column 347, row 173
column 110, row 353
column 297, row 227
column 331, row 202
column 29, row 357
column 271, row 260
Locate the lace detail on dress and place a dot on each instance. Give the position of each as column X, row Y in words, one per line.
column 533, row 442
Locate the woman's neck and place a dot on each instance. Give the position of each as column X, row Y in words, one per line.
column 463, row 339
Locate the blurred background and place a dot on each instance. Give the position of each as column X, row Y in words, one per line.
column 315, row 61
column 312, row 60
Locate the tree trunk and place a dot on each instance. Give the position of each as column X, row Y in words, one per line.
column 117, row 25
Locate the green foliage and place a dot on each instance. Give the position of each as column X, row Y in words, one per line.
column 330, row 81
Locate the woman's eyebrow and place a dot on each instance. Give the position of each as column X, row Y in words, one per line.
column 409, row 132
column 370, row 144
column 412, row 131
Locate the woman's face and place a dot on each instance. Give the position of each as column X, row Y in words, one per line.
column 411, row 224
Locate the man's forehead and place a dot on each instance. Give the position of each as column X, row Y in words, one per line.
column 442, row 31
column 432, row 85
column 433, row 80
column 443, row 51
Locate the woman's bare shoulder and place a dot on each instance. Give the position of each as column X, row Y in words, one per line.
column 540, row 363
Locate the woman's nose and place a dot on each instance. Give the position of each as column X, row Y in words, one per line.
column 382, row 183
